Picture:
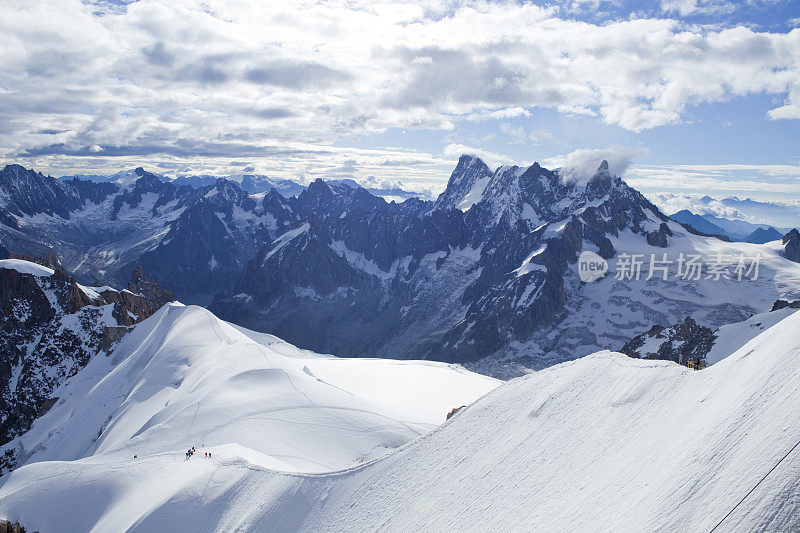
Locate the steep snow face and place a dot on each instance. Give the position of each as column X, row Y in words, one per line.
column 605, row 442
column 184, row 378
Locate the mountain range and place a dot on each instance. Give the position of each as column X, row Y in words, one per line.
column 486, row 274
column 732, row 229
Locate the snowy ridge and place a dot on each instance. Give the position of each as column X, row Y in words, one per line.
column 702, row 441
column 184, row 378
column 26, row 267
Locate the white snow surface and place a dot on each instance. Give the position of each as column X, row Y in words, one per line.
column 605, row 442
column 26, row 267
column 475, row 194
column 731, row 337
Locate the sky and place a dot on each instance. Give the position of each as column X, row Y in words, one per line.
column 683, row 97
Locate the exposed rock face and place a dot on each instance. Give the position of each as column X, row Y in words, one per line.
column 143, row 298
column 783, row 304
column 689, row 341
column 29, row 193
column 8, row 527
column 683, row 342
column 50, row 327
column 466, row 184
column 791, row 243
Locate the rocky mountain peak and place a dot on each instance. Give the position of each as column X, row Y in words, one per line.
column 27, row 192
column 599, row 184
column 466, row 184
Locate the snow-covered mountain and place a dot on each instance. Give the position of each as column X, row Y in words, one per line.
column 301, row 442
column 50, row 327
column 248, row 181
column 194, row 240
column 486, row 274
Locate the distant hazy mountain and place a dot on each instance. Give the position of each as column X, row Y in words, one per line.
column 734, row 229
column 762, row 235
column 248, row 182
column 698, row 222
column 737, row 229
column 122, row 178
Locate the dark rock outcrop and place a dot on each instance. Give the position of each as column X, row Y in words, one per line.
column 683, row 342
column 143, row 298
column 9, row 527
column 791, row 243
column 783, row 304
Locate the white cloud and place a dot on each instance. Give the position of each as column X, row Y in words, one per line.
column 671, row 203
column 286, row 82
column 765, row 181
column 454, row 150
column 582, row 164
column 711, row 7
column 518, row 134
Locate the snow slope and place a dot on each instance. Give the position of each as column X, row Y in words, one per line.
column 184, row 378
column 731, row 337
column 605, row 442
column 26, row 267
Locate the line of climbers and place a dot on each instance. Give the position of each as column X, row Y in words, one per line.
column 190, row 452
